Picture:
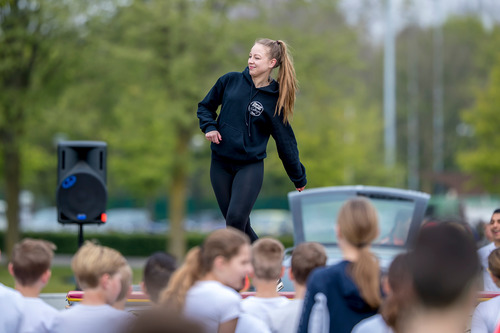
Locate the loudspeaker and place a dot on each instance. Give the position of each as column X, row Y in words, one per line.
column 81, row 182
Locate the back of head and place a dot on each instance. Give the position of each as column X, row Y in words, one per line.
column 92, row 261
column 401, row 290
column 199, row 261
column 157, row 271
column 358, row 224
column 30, row 259
column 444, row 264
column 305, row 258
column 287, row 80
column 494, row 262
column 267, row 258
column 398, row 274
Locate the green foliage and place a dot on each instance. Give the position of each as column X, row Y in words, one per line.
column 61, row 280
column 485, row 121
column 466, row 57
column 139, row 245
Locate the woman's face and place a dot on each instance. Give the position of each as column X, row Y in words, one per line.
column 234, row 270
column 259, row 62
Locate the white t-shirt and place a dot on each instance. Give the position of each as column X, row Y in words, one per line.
column 11, row 315
column 373, row 324
column 82, row 318
column 211, row 303
column 261, row 307
column 38, row 316
column 248, row 323
column 286, row 318
column 483, row 253
column 486, row 316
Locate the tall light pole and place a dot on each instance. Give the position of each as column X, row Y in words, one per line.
column 389, row 88
column 437, row 93
column 413, row 147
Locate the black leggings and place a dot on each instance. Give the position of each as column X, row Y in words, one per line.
column 236, row 187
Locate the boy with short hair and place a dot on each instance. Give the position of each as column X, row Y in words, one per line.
column 157, row 271
column 305, row 258
column 267, row 258
column 97, row 272
column 30, row 267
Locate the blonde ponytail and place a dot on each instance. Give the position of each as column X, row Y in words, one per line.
column 358, row 223
column 286, row 76
column 174, row 295
column 366, row 275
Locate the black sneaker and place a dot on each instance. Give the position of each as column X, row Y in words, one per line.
column 279, row 285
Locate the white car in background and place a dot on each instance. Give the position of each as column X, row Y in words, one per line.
column 271, row 222
column 314, row 213
column 119, row 220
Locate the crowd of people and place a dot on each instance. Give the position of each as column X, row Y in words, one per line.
column 432, row 287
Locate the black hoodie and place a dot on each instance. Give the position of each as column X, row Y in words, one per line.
column 344, row 304
column 246, row 120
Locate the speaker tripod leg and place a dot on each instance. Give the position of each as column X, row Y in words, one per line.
column 80, row 243
column 80, row 234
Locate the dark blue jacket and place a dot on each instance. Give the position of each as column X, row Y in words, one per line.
column 345, row 305
column 246, row 120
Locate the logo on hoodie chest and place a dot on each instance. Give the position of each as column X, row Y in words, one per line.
column 255, row 108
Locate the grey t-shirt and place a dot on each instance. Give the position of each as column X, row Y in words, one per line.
column 38, row 316
column 373, row 324
column 285, row 318
column 81, row 318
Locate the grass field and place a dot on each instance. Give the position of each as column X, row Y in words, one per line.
column 62, row 279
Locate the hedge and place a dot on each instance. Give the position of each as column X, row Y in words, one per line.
column 141, row 245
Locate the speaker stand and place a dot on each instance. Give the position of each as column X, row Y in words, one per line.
column 80, row 243
column 80, row 235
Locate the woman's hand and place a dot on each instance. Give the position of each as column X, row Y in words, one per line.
column 300, row 189
column 213, row 136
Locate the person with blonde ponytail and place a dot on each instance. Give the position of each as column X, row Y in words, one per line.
column 253, row 107
column 341, row 295
column 204, row 288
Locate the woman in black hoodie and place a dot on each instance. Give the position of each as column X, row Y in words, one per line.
column 253, row 106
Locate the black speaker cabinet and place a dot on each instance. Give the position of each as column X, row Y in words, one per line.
column 81, row 182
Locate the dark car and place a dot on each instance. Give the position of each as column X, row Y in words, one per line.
column 314, row 215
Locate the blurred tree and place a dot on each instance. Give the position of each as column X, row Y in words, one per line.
column 337, row 128
column 467, row 56
column 139, row 77
column 484, row 119
column 28, row 30
column 188, row 46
